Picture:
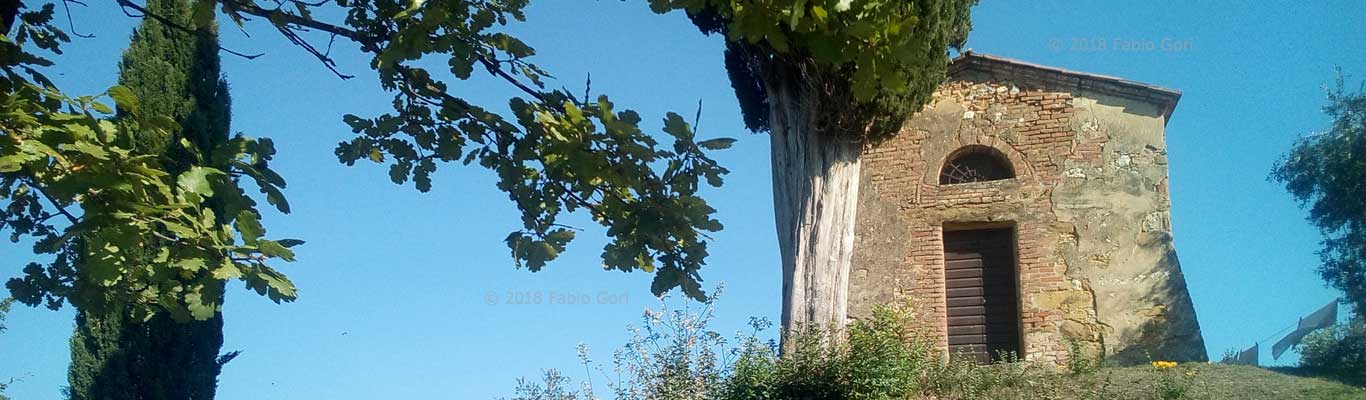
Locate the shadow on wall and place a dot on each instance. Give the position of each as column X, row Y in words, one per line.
column 1172, row 332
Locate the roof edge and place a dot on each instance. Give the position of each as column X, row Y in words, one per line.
column 1164, row 97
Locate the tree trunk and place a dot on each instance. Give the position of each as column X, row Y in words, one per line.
column 815, row 197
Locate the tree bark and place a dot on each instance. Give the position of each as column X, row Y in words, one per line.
column 815, row 197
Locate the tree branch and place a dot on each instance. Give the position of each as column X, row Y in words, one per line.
column 497, row 71
column 250, row 8
column 66, row 5
column 368, row 44
column 60, row 209
column 125, row 5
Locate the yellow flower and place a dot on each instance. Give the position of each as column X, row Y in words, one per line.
column 1164, row 364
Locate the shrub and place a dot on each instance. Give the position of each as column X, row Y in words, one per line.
column 674, row 356
column 553, row 386
column 879, row 358
column 1081, row 361
column 1337, row 352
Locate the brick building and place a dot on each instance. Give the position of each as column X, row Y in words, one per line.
column 1025, row 209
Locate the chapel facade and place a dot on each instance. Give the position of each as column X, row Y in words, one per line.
column 1025, row 210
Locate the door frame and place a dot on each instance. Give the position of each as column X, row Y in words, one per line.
column 1011, row 226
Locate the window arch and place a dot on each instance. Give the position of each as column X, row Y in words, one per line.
column 975, row 163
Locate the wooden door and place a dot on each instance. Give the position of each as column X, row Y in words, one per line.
column 982, row 294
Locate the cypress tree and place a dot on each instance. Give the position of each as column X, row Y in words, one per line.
column 172, row 65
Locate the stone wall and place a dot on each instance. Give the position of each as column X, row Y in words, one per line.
column 1088, row 203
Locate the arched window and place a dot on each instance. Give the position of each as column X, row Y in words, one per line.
column 975, row 163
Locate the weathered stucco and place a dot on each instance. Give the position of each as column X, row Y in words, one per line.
column 1088, row 203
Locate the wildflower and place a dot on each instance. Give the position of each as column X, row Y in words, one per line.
column 1164, row 364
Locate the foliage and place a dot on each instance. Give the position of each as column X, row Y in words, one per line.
column 5, row 305
column 672, row 355
column 558, row 153
column 1323, row 171
column 675, row 356
column 114, row 357
column 74, row 180
column 880, row 358
column 553, row 386
column 173, row 69
column 1173, row 382
column 879, row 59
column 1083, row 362
column 1337, row 352
column 561, row 153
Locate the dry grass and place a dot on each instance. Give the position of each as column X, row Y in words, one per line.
column 1187, row 381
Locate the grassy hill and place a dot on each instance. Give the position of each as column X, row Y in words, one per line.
column 1187, row 381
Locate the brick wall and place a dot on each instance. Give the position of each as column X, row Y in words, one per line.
column 1088, row 204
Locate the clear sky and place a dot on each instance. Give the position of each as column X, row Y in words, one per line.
column 394, row 282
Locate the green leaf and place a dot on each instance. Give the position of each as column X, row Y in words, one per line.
column 560, row 237
column 191, row 264
column 180, row 230
column 101, row 107
column 512, row 46
column 200, row 306
column 356, row 123
column 645, row 263
column 87, row 148
column 12, row 163
column 716, row 144
column 275, row 249
column 398, row 172
column 162, row 123
column 196, row 181
column 124, row 98
column 226, row 271
column 276, row 198
column 249, row 226
column 462, row 64
column 819, row 12
column 675, row 125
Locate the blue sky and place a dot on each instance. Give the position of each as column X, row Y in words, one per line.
column 393, row 282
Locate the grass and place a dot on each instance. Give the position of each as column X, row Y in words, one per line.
column 1186, row 381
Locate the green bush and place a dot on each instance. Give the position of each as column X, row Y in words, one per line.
column 1081, row 361
column 674, row 356
column 1337, row 352
column 879, row 359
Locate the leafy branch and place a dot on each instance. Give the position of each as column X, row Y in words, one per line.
column 556, row 155
column 146, row 236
